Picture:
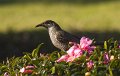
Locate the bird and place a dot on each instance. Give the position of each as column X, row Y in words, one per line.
column 59, row 38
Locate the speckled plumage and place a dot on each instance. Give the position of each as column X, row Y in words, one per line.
column 59, row 37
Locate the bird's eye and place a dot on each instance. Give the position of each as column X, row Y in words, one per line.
column 48, row 24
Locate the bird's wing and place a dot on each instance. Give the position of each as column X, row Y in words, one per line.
column 72, row 38
column 61, row 36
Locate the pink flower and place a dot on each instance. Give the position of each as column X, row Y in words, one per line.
column 85, row 43
column 70, row 59
column 106, row 58
column 22, row 70
column 72, row 53
column 63, row 58
column 27, row 69
column 30, row 67
column 90, row 49
column 6, row 74
column 77, row 50
column 90, row 64
column 74, row 50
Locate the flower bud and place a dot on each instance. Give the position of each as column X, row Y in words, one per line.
column 87, row 74
column 112, row 57
column 6, row 74
column 118, row 56
column 27, row 70
column 90, row 64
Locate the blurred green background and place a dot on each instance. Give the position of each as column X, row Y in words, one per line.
column 98, row 19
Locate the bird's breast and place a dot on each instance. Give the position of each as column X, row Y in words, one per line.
column 55, row 41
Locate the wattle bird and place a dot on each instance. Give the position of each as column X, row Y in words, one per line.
column 59, row 37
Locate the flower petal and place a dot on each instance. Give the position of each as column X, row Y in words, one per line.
column 63, row 58
column 90, row 64
column 70, row 59
column 22, row 70
column 70, row 52
column 85, row 42
column 78, row 52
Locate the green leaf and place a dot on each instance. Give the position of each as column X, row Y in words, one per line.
column 58, row 55
column 4, row 67
column 54, row 56
column 27, row 56
column 81, row 59
column 100, row 57
column 110, row 71
column 115, row 44
column 105, row 45
column 35, row 51
column 53, row 70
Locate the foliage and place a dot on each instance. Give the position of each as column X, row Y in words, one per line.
column 46, row 65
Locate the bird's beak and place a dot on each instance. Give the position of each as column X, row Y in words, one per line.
column 39, row 25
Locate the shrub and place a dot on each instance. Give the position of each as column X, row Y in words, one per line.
column 101, row 60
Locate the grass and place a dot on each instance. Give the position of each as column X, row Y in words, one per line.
column 84, row 17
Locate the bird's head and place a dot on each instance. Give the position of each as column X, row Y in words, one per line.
column 48, row 24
